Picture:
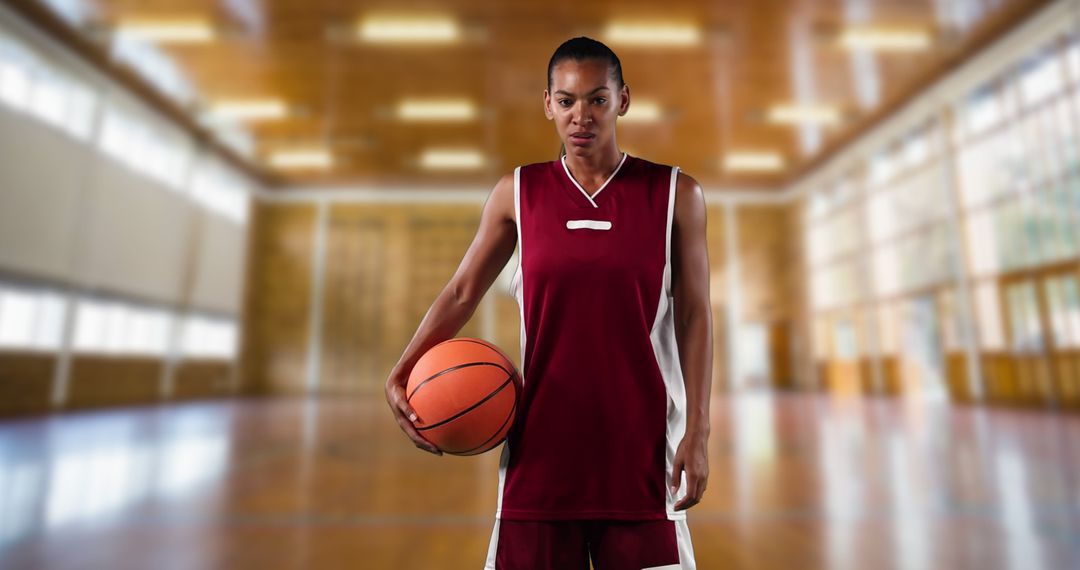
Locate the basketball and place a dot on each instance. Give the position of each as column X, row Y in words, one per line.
column 465, row 394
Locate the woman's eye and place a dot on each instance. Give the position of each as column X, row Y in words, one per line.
column 601, row 100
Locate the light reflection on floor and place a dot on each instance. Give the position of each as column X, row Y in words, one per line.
column 796, row 481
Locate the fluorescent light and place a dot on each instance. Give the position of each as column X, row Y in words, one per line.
column 653, row 34
column 166, row 31
column 642, row 111
column 885, row 39
column 447, row 159
column 753, row 161
column 436, row 110
column 302, row 159
column 804, row 114
column 252, row 110
column 386, row 29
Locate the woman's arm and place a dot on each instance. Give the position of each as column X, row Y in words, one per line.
column 484, row 260
column 693, row 334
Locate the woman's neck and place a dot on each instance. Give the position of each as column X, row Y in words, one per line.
column 595, row 167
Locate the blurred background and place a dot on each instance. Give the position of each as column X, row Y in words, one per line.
column 221, row 222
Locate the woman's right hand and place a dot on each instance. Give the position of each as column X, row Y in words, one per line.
column 404, row 413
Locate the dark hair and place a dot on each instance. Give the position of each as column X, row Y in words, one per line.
column 581, row 48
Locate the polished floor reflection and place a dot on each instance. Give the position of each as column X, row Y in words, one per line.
column 797, row 482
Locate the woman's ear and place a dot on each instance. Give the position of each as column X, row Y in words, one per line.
column 624, row 100
column 547, row 106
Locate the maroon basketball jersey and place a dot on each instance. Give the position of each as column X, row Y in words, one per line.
column 603, row 408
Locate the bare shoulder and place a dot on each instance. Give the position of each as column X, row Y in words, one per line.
column 685, row 185
column 689, row 197
column 501, row 200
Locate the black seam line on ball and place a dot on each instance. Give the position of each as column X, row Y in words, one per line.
column 451, row 369
column 486, row 345
column 506, row 421
column 509, row 379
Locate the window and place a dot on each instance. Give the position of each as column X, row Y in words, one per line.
column 156, row 67
column 208, row 337
column 1064, row 302
column 30, row 318
column 220, row 190
column 118, row 328
column 74, row 12
column 982, row 111
column 30, row 84
column 146, row 146
column 1041, row 78
column 988, row 307
column 1022, row 304
column 845, row 343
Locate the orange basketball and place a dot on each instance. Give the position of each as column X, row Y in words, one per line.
column 465, row 394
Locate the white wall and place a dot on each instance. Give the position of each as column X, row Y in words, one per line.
column 72, row 214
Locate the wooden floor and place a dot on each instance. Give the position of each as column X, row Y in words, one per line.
column 797, row 482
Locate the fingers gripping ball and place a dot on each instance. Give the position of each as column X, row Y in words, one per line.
column 465, row 393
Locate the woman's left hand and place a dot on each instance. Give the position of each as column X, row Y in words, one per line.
column 693, row 458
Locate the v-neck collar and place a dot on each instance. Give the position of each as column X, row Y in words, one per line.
column 598, row 190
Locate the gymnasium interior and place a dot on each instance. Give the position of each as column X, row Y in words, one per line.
column 221, row 222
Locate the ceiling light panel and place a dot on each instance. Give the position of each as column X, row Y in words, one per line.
column 408, row 30
column 657, row 34
column 250, row 110
column 451, row 159
column 751, row 161
column 451, row 110
column 189, row 31
column 303, row 159
column 885, row 39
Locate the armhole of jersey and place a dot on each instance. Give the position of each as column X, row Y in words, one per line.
column 517, row 207
column 670, row 219
column 517, row 286
column 515, row 280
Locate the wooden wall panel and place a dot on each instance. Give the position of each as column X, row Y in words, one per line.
column 956, row 377
column 25, row 382
column 892, row 375
column 841, row 377
column 866, row 377
column 1067, row 376
column 385, row 265
column 202, row 379
column 98, row 381
column 763, row 245
column 276, row 328
column 772, row 287
column 999, row 373
column 355, row 311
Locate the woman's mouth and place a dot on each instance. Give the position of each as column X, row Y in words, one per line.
column 582, row 138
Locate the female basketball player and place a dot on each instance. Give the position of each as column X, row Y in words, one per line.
column 609, row 447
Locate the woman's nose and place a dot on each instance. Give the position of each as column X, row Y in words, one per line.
column 581, row 113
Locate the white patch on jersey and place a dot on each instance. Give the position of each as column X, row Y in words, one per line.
column 588, row 224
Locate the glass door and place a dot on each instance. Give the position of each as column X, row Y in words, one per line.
column 924, row 360
column 1031, row 375
column 1061, row 297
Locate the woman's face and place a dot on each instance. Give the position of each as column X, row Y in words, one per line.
column 584, row 101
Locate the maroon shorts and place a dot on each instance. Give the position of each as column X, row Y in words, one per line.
column 569, row 545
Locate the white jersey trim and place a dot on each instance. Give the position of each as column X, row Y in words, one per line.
column 666, row 351
column 516, row 287
column 602, row 186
